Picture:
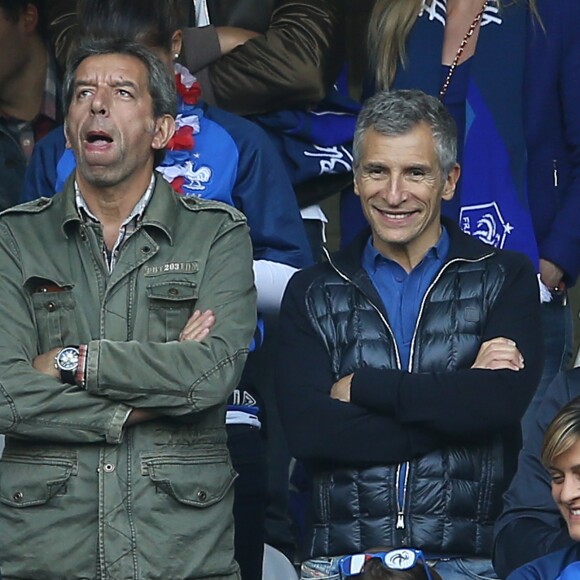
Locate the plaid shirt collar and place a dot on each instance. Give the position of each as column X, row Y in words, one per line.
column 129, row 225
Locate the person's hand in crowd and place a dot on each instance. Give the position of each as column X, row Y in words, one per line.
column 499, row 353
column 341, row 389
column 44, row 363
column 198, row 326
column 550, row 274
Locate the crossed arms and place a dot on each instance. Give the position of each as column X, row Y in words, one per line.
column 393, row 415
column 174, row 378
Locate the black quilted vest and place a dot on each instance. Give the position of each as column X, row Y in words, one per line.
column 452, row 496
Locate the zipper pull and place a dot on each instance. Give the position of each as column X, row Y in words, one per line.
column 555, row 172
column 400, row 520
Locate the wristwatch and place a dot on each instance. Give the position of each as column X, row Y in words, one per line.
column 66, row 361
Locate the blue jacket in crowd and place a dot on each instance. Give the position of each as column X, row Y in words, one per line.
column 561, row 565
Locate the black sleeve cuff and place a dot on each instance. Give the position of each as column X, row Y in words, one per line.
column 375, row 389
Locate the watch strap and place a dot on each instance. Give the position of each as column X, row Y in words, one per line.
column 67, row 376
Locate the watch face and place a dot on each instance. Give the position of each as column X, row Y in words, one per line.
column 68, row 359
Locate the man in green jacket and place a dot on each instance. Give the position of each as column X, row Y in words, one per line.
column 112, row 378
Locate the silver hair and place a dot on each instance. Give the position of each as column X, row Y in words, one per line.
column 394, row 113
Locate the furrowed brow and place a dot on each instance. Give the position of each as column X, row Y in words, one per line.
column 123, row 83
column 84, row 83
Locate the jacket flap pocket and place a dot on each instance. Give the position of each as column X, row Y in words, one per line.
column 26, row 481
column 53, row 300
column 196, row 481
column 175, row 291
column 44, row 285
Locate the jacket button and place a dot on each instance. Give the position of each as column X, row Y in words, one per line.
column 83, row 236
column 109, row 467
column 146, row 249
column 18, row 496
column 201, row 495
column 51, row 306
column 173, row 291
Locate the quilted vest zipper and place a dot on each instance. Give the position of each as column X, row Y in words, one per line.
column 403, row 468
column 401, row 489
column 426, row 295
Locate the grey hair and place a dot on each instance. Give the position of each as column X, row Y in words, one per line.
column 161, row 84
column 393, row 113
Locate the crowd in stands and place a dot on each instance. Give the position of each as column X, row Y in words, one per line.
column 405, row 407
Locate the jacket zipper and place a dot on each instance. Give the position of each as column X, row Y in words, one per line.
column 555, row 171
column 403, row 474
column 384, row 321
column 403, row 468
column 401, row 491
column 426, row 295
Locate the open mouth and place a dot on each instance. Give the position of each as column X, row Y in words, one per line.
column 98, row 137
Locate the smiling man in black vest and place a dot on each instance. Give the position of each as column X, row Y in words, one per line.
column 407, row 361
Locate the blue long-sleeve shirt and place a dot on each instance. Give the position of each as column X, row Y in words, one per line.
column 402, row 292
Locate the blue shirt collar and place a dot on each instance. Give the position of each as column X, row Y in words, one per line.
column 372, row 257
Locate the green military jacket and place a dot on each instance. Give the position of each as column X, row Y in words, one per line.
column 80, row 496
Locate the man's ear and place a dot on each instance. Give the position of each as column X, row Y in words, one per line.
column 163, row 131
column 29, row 18
column 355, row 182
column 451, row 182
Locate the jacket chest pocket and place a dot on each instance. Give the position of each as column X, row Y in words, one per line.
column 55, row 313
column 171, row 303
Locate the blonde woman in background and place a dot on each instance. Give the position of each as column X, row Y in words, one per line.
column 561, row 457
